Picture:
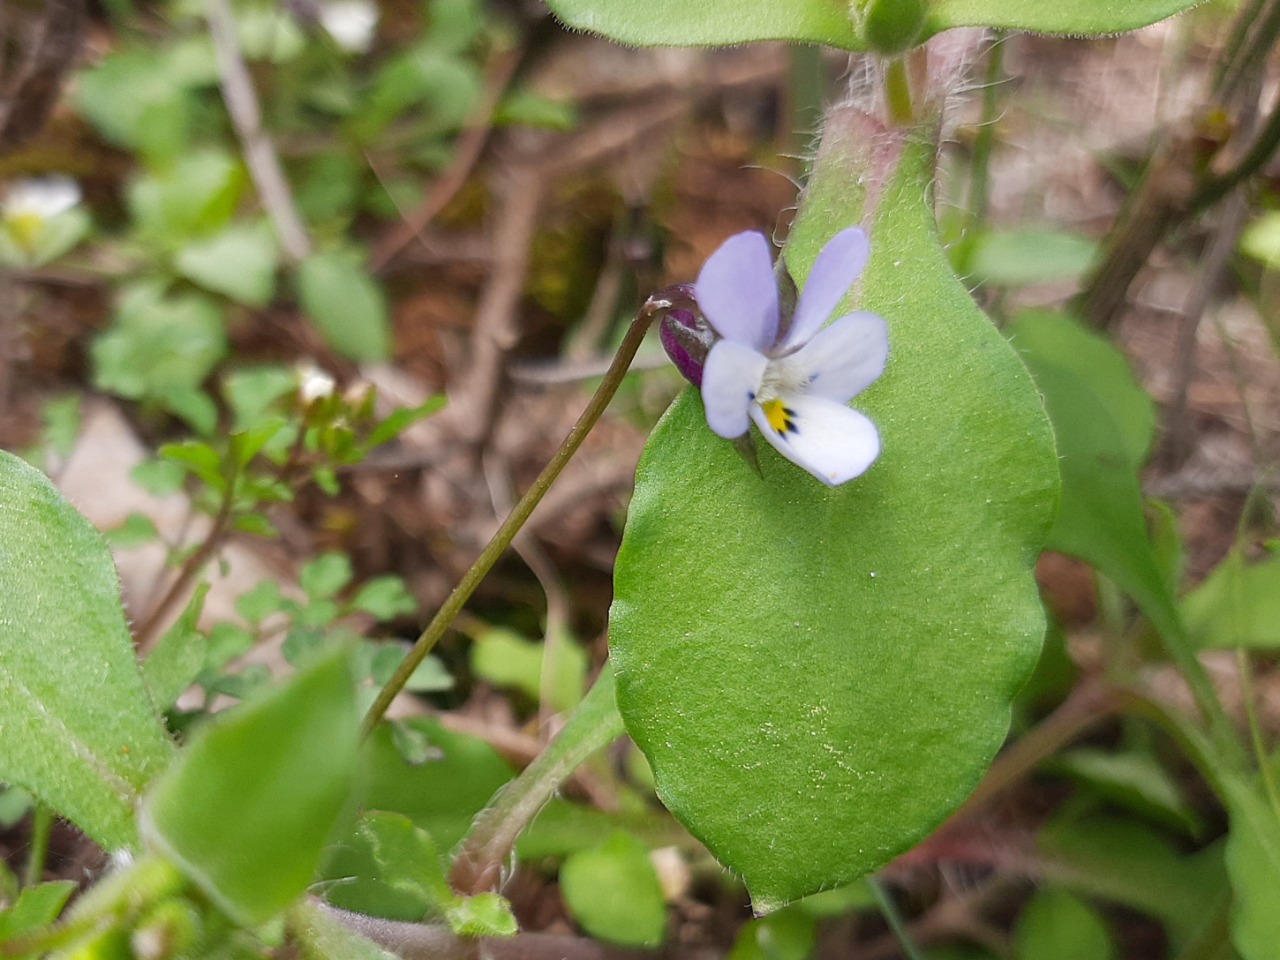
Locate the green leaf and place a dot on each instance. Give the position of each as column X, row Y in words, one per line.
column 77, row 726
column 1056, row 925
column 1015, row 258
column 195, row 196
column 1253, row 863
column 240, row 263
column 1127, row 863
column 158, row 344
column 1104, row 423
column 1077, row 18
column 789, row 934
column 811, row 703
column 176, row 661
column 388, row 867
column 347, row 306
column 613, row 891
column 384, row 597
column 324, row 576
column 441, row 790
column 136, row 530
column 1132, row 779
column 506, row 659
column 1238, row 605
column 688, row 23
column 35, row 907
column 247, row 809
column 484, row 915
column 132, row 99
column 1261, row 240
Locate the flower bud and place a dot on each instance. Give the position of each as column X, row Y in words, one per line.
column 687, row 338
column 891, row 27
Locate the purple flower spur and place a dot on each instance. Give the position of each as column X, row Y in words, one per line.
column 791, row 375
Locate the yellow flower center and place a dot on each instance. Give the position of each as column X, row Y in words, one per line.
column 781, row 417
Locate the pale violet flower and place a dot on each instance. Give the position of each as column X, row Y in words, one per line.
column 793, row 379
column 350, row 22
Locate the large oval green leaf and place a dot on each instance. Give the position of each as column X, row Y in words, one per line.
column 820, row 676
column 76, row 725
column 692, row 23
column 1077, row 18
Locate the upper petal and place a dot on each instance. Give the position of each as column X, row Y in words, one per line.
column 826, row 438
column 730, row 379
column 845, row 358
column 737, row 293
column 838, row 265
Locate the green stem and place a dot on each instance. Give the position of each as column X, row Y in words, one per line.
column 1255, row 729
column 897, row 88
column 979, row 183
column 41, row 828
column 594, row 724
column 893, row 918
column 519, row 515
column 806, row 84
column 1264, row 146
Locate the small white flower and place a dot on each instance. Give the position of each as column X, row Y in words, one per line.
column 351, row 23
column 40, row 198
column 313, row 384
column 793, row 382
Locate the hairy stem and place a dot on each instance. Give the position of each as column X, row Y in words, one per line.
column 595, row 724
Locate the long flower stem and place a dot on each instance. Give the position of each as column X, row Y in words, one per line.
column 519, row 514
column 41, row 828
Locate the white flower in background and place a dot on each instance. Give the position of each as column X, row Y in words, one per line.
column 351, row 23
column 40, row 198
column 789, row 375
column 313, row 384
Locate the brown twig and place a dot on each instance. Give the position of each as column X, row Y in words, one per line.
column 259, row 152
column 467, row 149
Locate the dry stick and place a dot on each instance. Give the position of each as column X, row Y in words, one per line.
column 147, row 634
column 467, row 151
column 517, row 518
column 259, row 152
column 1178, row 443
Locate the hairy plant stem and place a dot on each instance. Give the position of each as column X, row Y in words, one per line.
column 501, row 540
column 595, row 724
column 805, row 82
column 38, row 852
column 979, row 175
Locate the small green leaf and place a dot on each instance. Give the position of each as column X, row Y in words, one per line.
column 789, row 934
column 36, row 907
column 346, row 304
column 400, row 420
column 324, row 576
column 198, row 457
column 689, row 23
column 260, row 602
column 1253, row 863
column 1056, row 925
column 158, row 344
column 1132, row 779
column 449, row 781
column 176, row 661
column 388, row 867
column 384, row 597
column 1077, row 18
column 1238, row 605
column 484, row 915
column 248, row 807
column 252, row 391
column 1016, row 258
column 1261, row 240
column 136, row 530
column 240, row 263
column 506, row 659
column 613, row 891
column 61, row 621
column 192, row 197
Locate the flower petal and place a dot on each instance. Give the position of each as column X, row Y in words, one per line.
column 730, row 379
column 833, row 273
column 831, row 441
column 736, row 291
column 845, row 358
